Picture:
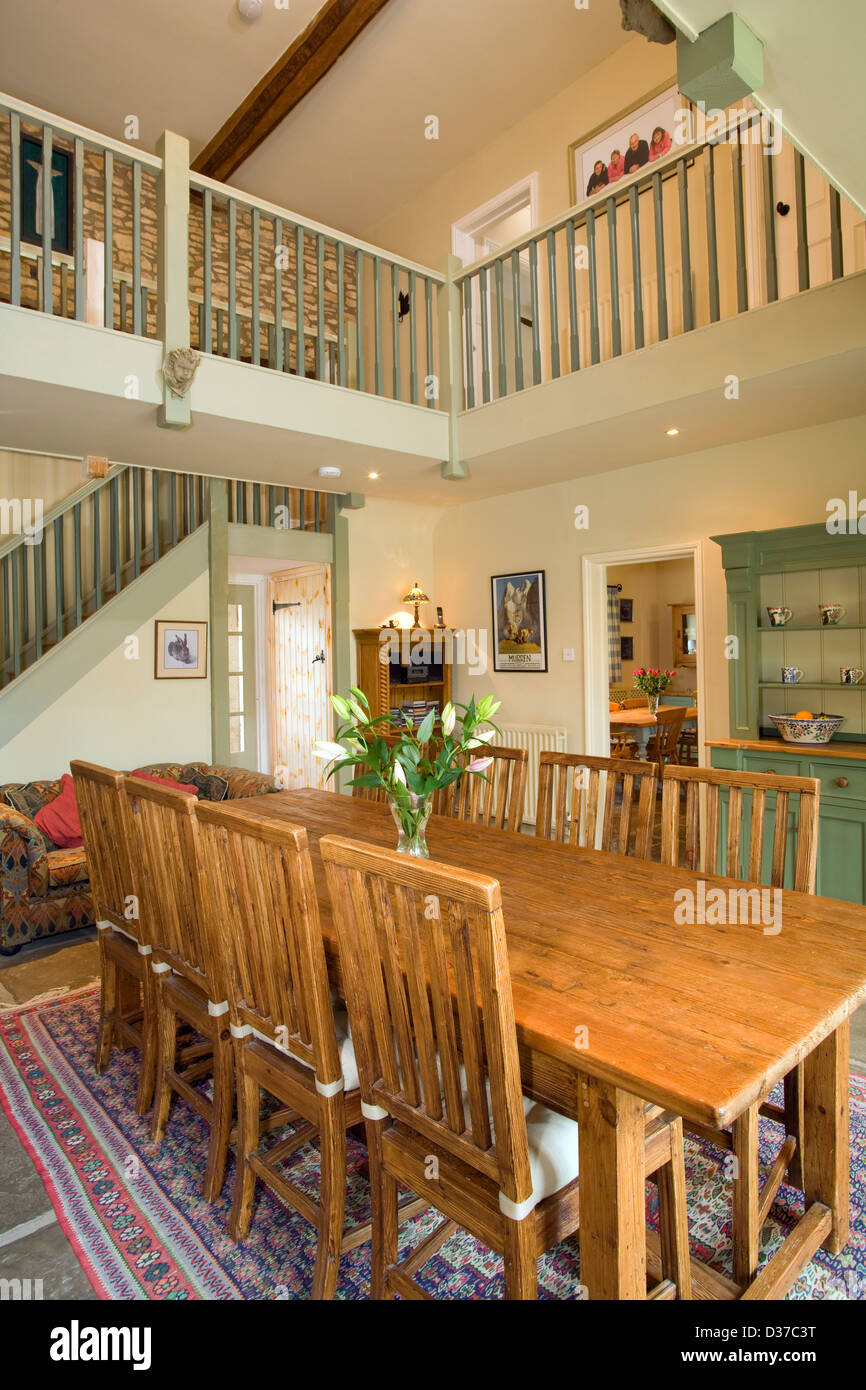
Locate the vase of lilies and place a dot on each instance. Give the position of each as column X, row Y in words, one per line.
column 653, row 683
column 410, row 765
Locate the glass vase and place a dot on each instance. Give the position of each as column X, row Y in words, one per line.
column 411, row 814
column 654, row 703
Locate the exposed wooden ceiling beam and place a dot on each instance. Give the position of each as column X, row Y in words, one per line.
column 327, row 37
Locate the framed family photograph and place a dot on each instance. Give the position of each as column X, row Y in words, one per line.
column 519, row 621
column 181, row 651
column 626, row 142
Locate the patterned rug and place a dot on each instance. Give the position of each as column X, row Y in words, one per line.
column 141, row 1231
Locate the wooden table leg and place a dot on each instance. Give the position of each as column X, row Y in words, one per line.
column 745, row 1229
column 612, row 1202
column 826, row 1155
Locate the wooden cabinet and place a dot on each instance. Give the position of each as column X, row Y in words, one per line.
column 398, row 666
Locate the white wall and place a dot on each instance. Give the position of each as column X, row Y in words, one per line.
column 117, row 714
column 36, row 476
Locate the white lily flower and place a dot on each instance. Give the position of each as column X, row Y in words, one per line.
column 399, row 774
column 479, row 764
column 323, row 749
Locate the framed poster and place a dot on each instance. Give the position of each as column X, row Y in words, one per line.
column 519, row 621
column 626, row 610
column 180, row 651
column 627, row 648
column 624, row 143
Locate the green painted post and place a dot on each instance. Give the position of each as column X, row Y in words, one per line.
column 218, row 569
column 173, row 280
column 451, row 363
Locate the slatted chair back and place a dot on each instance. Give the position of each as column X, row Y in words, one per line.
column 105, row 831
column 165, row 838
column 495, row 797
column 708, row 846
column 260, row 900
column 662, row 745
column 415, row 938
column 577, row 801
column 636, row 702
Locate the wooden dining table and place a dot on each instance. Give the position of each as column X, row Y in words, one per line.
column 642, row 719
column 617, row 1005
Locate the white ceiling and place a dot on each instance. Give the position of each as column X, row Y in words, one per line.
column 813, row 62
column 355, row 148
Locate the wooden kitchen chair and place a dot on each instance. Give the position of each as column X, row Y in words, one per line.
column 127, row 1002
column 714, row 843
column 496, row 796
column 662, row 745
column 428, row 989
column 260, row 898
column 573, row 809
column 190, row 974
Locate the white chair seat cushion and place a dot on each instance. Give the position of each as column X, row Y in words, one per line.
column 553, row 1151
column 346, row 1048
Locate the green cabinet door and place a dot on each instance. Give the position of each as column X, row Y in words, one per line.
column 842, row 851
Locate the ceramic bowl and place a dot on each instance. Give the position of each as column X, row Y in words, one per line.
column 807, row 730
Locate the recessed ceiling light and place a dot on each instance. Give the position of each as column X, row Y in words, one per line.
column 250, row 9
column 673, row 431
column 374, row 476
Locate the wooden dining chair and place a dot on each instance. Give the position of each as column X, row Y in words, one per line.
column 662, row 745
column 495, row 797
column 576, row 808
column 715, row 842
column 189, row 971
column 127, row 1004
column 428, row 989
column 621, row 746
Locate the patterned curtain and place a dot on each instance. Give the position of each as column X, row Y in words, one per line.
column 614, row 646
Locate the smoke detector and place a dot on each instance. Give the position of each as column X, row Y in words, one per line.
column 329, row 471
column 251, row 9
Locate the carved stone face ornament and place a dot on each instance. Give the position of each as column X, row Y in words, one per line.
column 642, row 17
column 179, row 368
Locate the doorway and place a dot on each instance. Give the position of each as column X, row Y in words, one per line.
column 299, row 628
column 243, row 708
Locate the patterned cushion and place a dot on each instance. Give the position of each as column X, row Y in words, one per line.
column 30, row 798
column 65, row 867
column 209, row 785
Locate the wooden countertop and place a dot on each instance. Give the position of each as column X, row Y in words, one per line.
column 778, row 745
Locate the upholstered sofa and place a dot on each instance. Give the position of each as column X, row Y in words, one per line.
column 44, row 892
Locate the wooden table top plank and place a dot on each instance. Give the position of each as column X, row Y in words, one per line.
column 642, row 719
column 702, row 1019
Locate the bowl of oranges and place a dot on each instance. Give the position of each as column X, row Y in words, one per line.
column 807, row 727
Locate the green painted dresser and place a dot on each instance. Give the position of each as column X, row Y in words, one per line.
column 800, row 568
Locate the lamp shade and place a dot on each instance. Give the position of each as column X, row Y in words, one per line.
column 415, row 595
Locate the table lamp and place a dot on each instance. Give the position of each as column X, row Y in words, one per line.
column 417, row 596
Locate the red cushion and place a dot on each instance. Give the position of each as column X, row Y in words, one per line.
column 58, row 819
column 167, row 782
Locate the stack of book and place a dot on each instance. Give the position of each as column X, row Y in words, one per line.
column 416, row 710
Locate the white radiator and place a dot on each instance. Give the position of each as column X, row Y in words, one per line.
column 535, row 738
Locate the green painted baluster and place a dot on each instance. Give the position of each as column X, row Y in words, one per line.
column 154, row 508
column 276, row 361
column 136, row 248
column 287, row 503
column 234, row 334
column 429, row 386
column 220, row 317
column 413, row 341
column 359, row 293
column 377, row 305
column 15, row 209
column 25, row 594
column 320, row 308
column 499, row 290
column 47, row 206
column 207, row 274
column 342, row 357
column 59, row 579
column 573, row 338
column 518, row 323
column 136, row 524
column 685, row 247
column 38, row 614
column 485, row 335
column 637, row 278
column 594, row 344
column 124, row 304
column 43, row 572
column 300, row 340
column 96, row 522
column 770, row 222
column 16, row 616
column 272, row 505
column 257, row 505
column 302, row 509
column 536, row 312
column 78, row 228
column 115, row 537
column 76, row 538
column 661, row 281
column 184, row 506
column 395, row 327
column 740, row 229
column 172, row 508
column 4, row 570
column 802, row 233
column 317, row 520
column 470, row 346
column 712, row 240
column 835, row 233
column 615, row 319
column 555, row 364
column 256, row 325
column 108, row 159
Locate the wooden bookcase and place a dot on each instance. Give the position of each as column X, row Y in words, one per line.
column 418, row 646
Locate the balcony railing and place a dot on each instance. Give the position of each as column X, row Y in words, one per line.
column 695, row 237
column 265, row 286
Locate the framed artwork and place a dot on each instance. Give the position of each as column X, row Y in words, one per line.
column 626, row 610
column 519, row 621
column 627, row 648
column 181, row 651
column 626, row 142
column 32, row 184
